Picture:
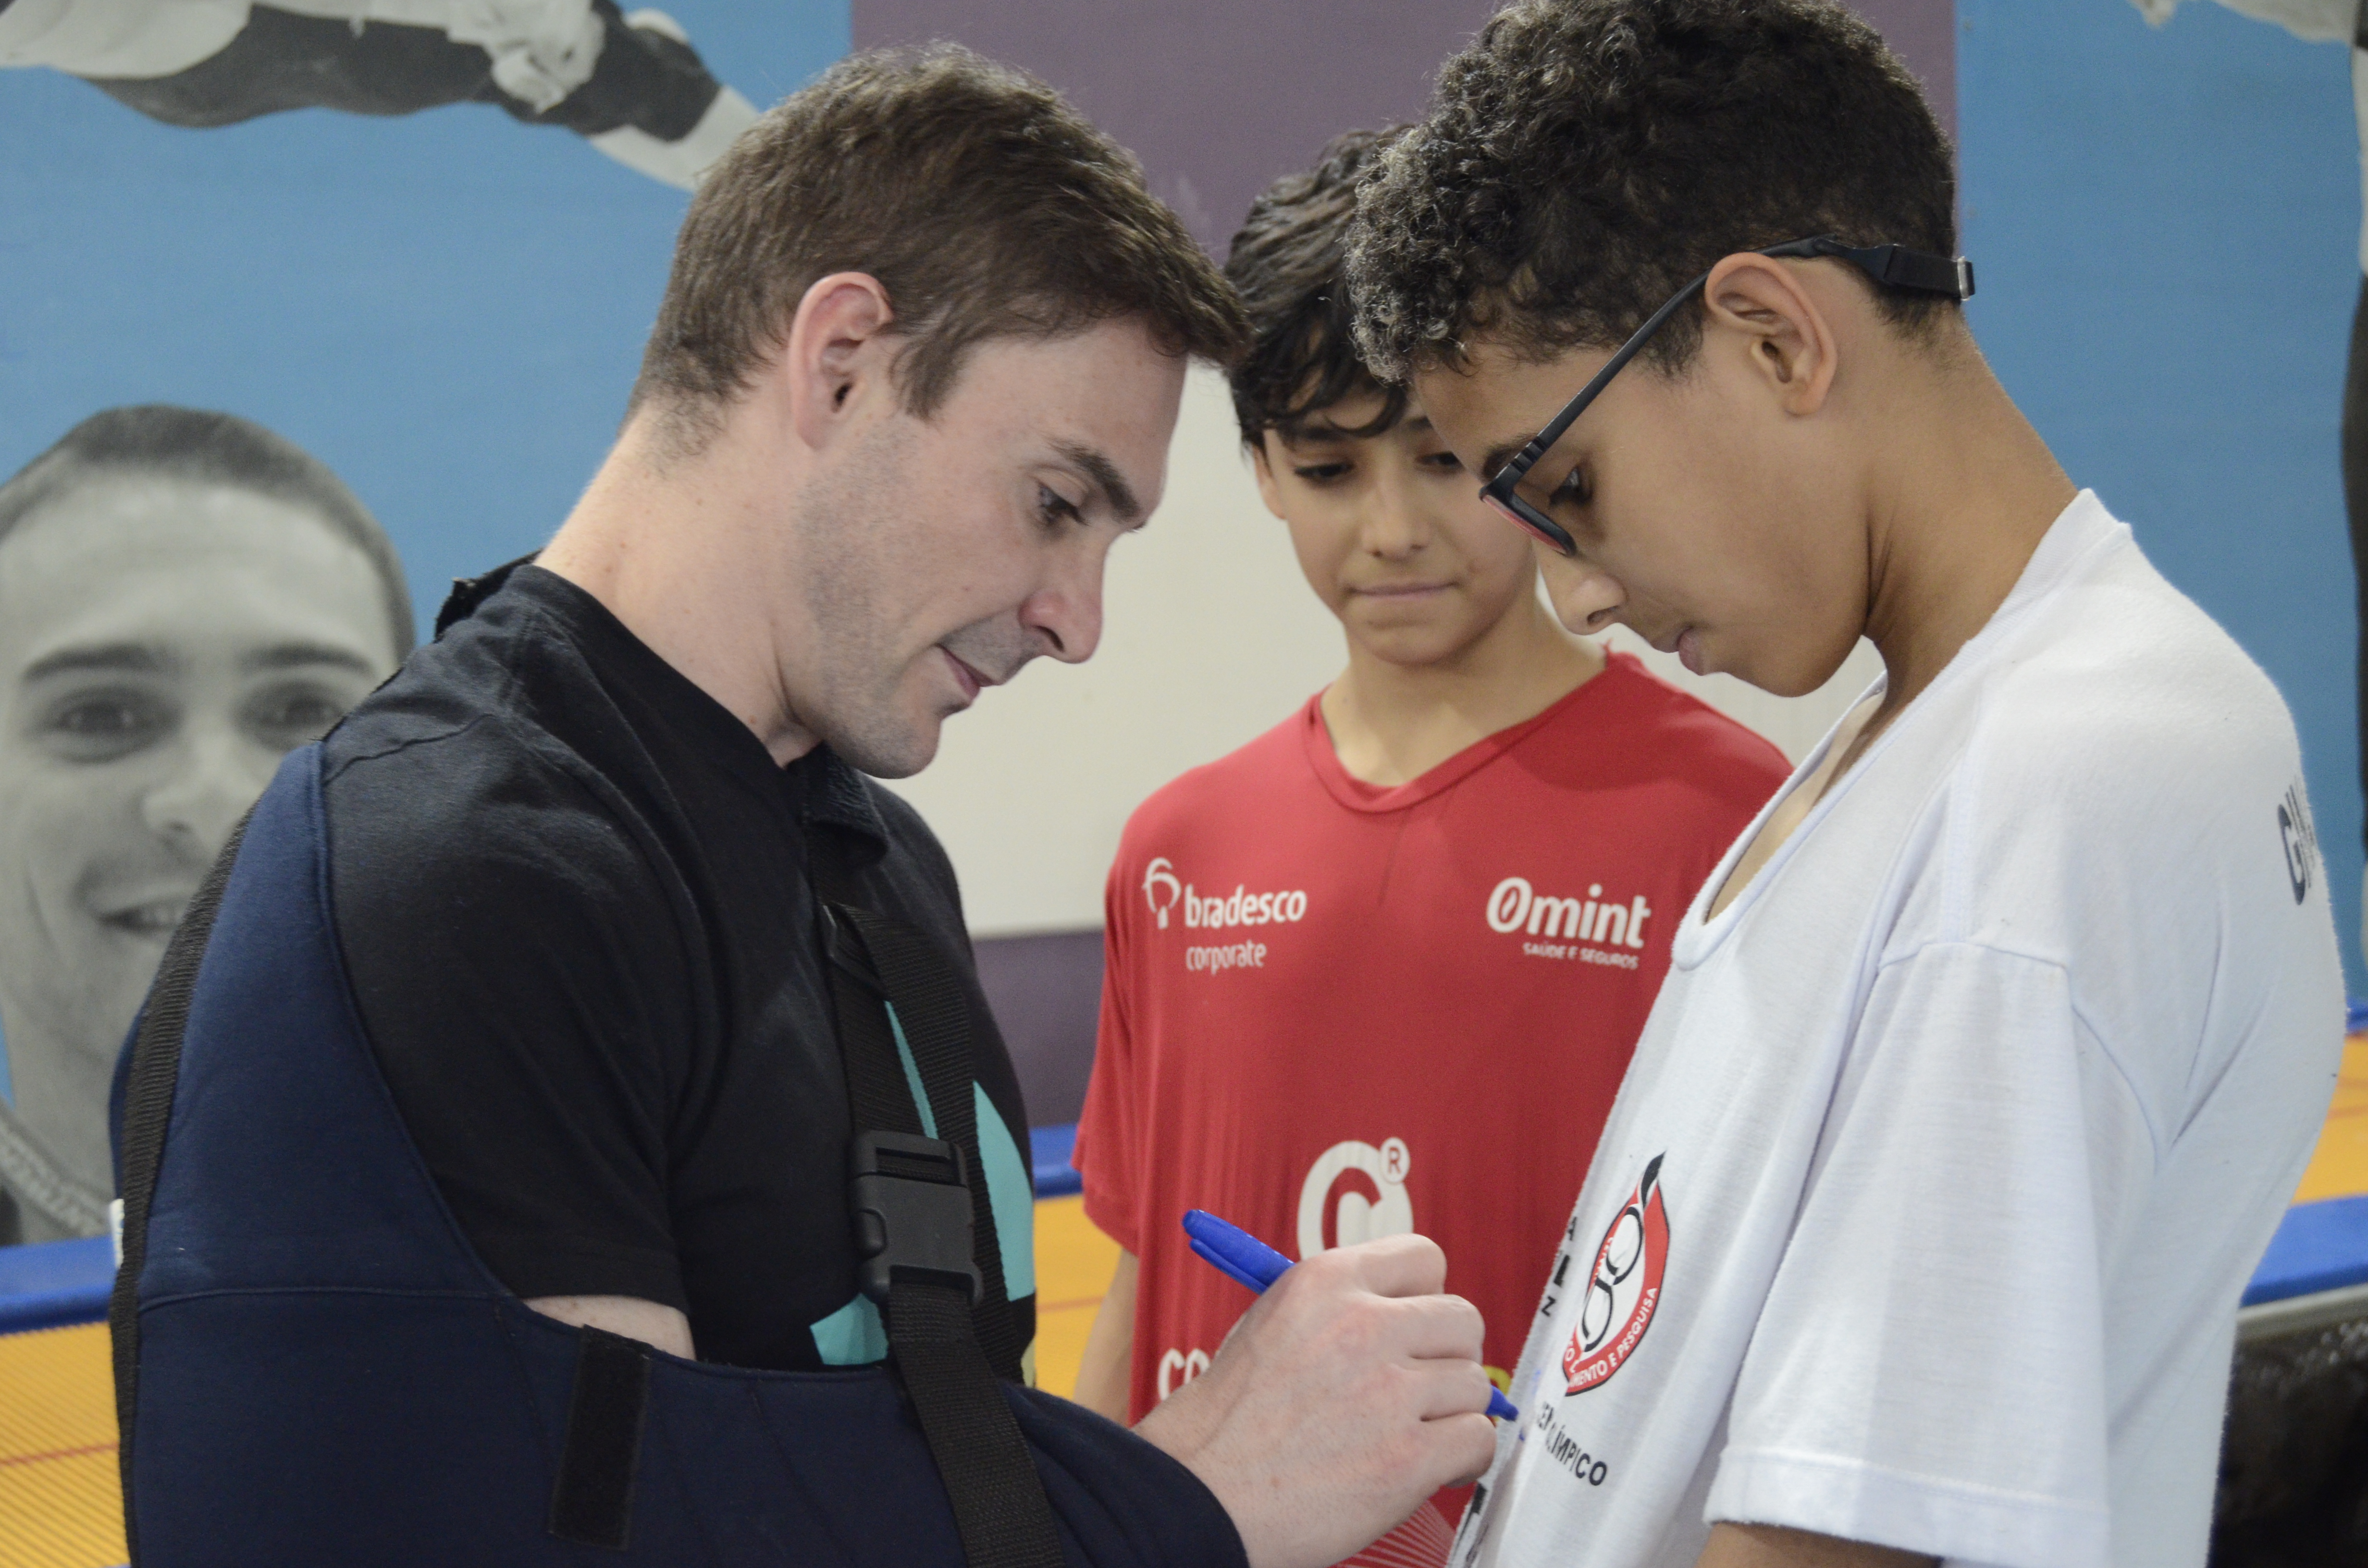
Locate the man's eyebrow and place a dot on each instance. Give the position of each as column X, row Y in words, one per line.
column 1105, row 477
column 111, row 658
column 297, row 655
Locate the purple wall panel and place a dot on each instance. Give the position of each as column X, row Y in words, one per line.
column 1047, row 996
column 1216, row 97
column 1219, row 97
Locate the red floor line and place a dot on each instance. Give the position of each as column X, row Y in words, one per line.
column 58, row 1454
column 1069, row 1306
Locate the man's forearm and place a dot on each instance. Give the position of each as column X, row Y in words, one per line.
column 664, row 1327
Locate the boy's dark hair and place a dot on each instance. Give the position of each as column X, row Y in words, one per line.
column 1288, row 263
column 1583, row 160
column 983, row 203
column 197, row 446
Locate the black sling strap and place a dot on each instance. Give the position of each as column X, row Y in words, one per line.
column 147, row 1112
column 929, row 1005
column 949, row 1351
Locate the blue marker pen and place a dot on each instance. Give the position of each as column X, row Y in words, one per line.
column 1244, row 1258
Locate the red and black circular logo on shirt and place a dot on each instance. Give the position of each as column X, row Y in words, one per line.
column 1624, row 1289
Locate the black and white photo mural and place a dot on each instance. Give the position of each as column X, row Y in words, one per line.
column 310, row 307
column 632, row 85
column 185, row 597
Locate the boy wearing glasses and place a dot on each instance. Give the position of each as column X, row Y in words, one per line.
column 1380, row 969
column 1990, row 1055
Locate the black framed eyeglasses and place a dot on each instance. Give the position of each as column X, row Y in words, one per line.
column 1891, row 266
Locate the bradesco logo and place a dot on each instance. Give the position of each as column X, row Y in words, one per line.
column 1160, row 888
column 1616, row 928
column 1162, row 891
column 1625, row 1289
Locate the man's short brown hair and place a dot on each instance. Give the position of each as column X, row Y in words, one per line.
column 983, row 203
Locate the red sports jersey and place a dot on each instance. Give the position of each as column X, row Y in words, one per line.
column 1333, row 1011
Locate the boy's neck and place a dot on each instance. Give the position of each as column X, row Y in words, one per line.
column 1390, row 724
column 1960, row 496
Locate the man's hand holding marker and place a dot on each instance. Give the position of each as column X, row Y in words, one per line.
column 1349, row 1391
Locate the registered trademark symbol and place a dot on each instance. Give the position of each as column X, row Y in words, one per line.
column 1396, row 1161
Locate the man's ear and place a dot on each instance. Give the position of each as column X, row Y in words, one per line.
column 1771, row 312
column 838, row 354
column 1262, row 466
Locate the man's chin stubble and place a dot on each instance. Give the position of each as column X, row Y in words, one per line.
column 887, row 751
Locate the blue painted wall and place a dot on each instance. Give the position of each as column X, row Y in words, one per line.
column 447, row 308
column 2166, row 225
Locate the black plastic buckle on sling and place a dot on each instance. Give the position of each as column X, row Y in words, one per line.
column 911, row 1204
column 845, row 949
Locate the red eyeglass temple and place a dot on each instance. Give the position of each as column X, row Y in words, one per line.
column 1510, row 516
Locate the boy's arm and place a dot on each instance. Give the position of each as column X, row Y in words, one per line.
column 1108, row 1143
column 1105, row 1373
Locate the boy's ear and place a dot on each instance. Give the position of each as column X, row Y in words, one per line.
column 1772, row 312
column 1262, row 466
column 838, row 353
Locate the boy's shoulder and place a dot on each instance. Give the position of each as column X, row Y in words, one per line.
column 2122, row 688
column 1243, row 779
column 2109, row 779
column 1629, row 723
column 1683, row 719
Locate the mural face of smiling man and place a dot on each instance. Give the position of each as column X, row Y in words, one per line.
column 166, row 637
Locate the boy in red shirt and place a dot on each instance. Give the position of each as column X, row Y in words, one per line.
column 1380, row 971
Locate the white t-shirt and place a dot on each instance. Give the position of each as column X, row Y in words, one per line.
column 1923, row 1212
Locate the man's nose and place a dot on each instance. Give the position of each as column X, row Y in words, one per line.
column 1065, row 613
column 215, row 779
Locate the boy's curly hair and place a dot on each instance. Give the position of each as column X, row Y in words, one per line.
column 1583, row 160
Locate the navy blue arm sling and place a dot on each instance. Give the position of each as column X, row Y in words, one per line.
column 313, row 1366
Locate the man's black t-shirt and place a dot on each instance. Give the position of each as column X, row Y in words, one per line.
column 571, row 892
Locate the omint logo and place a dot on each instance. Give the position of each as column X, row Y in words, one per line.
column 1515, row 905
